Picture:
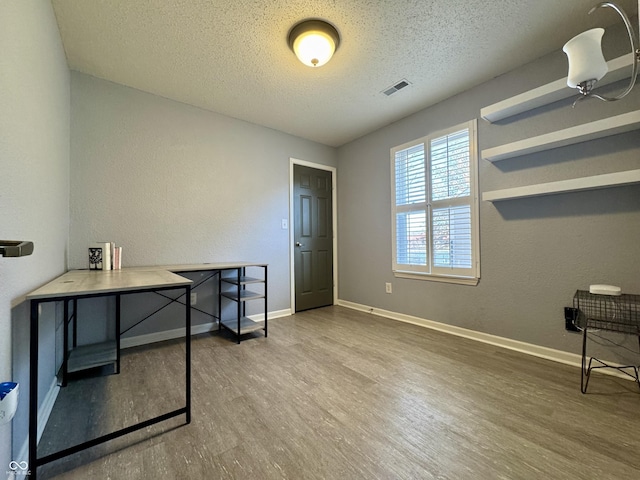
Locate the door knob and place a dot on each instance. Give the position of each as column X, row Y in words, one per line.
column 298, row 244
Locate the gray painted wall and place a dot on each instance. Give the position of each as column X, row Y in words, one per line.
column 34, row 187
column 534, row 252
column 176, row 184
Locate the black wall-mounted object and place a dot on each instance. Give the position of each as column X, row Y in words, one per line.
column 570, row 318
column 15, row 248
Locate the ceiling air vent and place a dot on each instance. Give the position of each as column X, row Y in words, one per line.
column 398, row 86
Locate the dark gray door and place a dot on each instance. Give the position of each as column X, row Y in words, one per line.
column 313, row 237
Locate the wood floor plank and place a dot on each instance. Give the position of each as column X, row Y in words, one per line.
column 338, row 394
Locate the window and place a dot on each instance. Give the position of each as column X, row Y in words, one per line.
column 435, row 206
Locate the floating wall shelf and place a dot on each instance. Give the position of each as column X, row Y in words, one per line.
column 569, row 136
column 616, row 179
column 619, row 69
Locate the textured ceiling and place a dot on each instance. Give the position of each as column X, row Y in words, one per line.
column 232, row 57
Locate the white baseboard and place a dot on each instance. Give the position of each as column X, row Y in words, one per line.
column 259, row 317
column 559, row 356
column 139, row 340
column 47, row 406
column 43, row 417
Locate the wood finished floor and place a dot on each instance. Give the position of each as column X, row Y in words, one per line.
column 338, row 394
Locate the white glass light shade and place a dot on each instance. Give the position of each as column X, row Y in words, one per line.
column 314, row 42
column 586, row 61
column 314, row 48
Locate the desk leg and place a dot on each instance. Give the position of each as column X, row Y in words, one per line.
column 187, row 314
column 118, row 334
column 65, row 343
column 33, row 391
column 240, row 309
column 220, row 301
column 75, row 322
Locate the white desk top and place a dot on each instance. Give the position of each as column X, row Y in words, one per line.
column 195, row 267
column 87, row 282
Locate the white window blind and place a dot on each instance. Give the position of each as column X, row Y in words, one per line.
column 435, row 204
column 411, row 220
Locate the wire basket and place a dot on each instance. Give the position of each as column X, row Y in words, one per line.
column 617, row 313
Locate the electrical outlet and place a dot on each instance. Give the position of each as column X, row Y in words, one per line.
column 570, row 317
column 388, row 288
column 194, row 298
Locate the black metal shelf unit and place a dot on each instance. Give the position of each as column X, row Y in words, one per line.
column 614, row 313
column 233, row 286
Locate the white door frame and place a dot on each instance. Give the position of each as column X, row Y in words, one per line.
column 334, row 215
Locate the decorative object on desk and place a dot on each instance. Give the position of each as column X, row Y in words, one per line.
column 95, row 258
column 100, row 256
column 8, row 401
column 586, row 62
column 117, row 258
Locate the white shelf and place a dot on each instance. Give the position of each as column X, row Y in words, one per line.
column 243, row 280
column 569, row 136
column 619, row 69
column 246, row 325
column 92, row 356
column 616, row 179
column 245, row 295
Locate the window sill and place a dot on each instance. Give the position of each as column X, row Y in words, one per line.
column 437, row 278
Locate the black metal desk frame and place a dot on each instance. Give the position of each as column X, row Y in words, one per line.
column 195, row 285
column 34, row 461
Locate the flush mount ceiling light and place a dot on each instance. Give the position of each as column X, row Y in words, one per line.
column 586, row 62
column 314, row 42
